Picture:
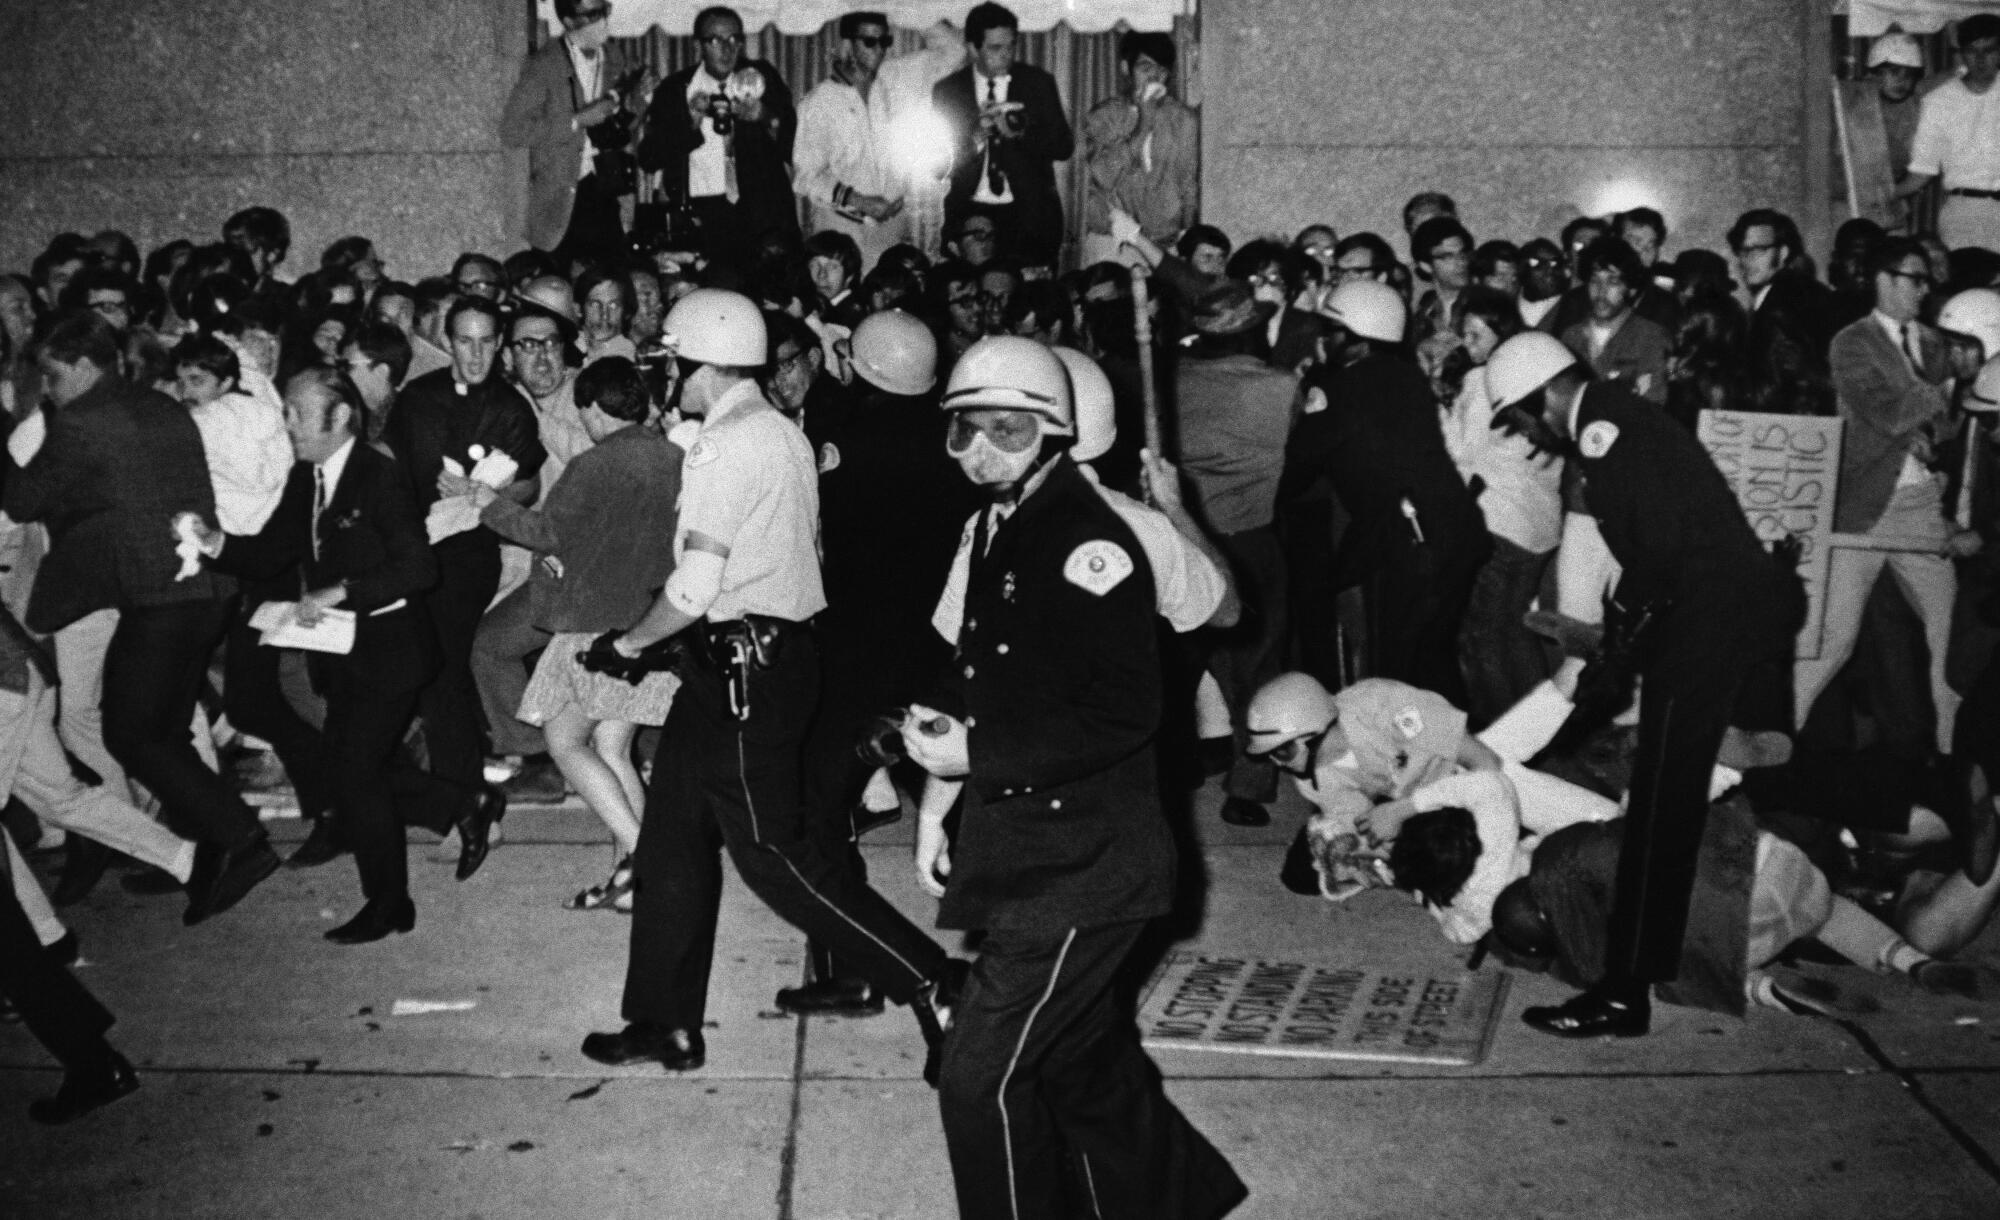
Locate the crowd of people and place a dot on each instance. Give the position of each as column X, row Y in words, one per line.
column 753, row 536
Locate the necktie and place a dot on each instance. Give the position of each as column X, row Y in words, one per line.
column 1913, row 348
column 995, row 180
column 319, row 505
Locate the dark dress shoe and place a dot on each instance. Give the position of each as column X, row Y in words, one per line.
column 1241, row 811
column 82, row 868
column 65, row 950
column 378, row 918
column 222, row 879
column 677, row 1050
column 1597, row 1013
column 152, row 882
column 322, row 844
column 1298, row 874
column 86, row 1089
column 475, row 830
column 933, row 1005
column 831, row 998
column 1981, row 840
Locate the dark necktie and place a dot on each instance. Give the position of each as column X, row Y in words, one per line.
column 1913, row 348
column 996, row 181
column 319, row 504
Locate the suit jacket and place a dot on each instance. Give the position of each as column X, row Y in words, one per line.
column 371, row 538
column 763, row 150
column 1028, row 162
column 1798, row 310
column 539, row 118
column 1887, row 406
column 1638, row 349
column 118, row 465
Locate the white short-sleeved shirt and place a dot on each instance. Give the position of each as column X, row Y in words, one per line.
column 1958, row 136
column 1186, row 585
column 749, row 481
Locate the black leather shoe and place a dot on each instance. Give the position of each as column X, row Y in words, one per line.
column 932, row 1005
column 1241, row 811
column 1594, row 1014
column 834, row 997
column 82, row 868
column 222, row 879
column 152, row 882
column 677, row 1050
column 1982, row 840
column 1297, row 874
column 378, row 918
column 85, row 1090
column 322, row 845
column 475, row 830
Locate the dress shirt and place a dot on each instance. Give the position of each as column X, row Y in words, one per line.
column 985, row 90
column 708, row 164
column 589, row 69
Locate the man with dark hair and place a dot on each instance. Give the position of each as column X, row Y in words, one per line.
column 378, row 358
column 1441, row 249
column 1645, row 230
column 1143, row 148
column 1788, row 306
column 1424, row 206
column 478, row 275
column 266, row 237
column 349, row 535
column 1620, row 345
column 58, row 264
column 844, row 159
column 1205, row 248
column 721, row 130
column 563, row 94
column 1543, row 280
column 1009, row 130
column 1955, row 140
column 106, row 290
column 110, row 472
column 444, row 416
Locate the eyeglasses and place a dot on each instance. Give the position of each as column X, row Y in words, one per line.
column 721, row 40
column 1342, row 269
column 477, row 285
column 987, row 234
column 1758, row 249
column 1541, row 260
column 537, row 347
column 1915, row 277
column 797, row 357
column 963, row 298
column 878, row 42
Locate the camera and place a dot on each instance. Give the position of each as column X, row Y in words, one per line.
column 721, row 113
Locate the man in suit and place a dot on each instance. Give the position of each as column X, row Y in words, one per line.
column 721, row 130
column 350, row 528
column 1619, row 344
column 1791, row 313
column 117, row 466
column 1890, row 374
column 561, row 94
column 1010, row 130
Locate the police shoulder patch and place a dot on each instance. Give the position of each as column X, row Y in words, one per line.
column 829, row 457
column 1409, row 722
column 1097, row 567
column 702, row 452
column 1598, row 438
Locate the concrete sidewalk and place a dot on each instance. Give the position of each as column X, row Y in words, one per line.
column 278, row 1082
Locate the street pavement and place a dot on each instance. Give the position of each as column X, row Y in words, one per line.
column 279, row 1079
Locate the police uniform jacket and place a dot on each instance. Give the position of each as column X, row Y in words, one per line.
column 1665, row 510
column 1057, row 675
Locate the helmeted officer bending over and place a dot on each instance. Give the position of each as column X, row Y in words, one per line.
column 1718, row 652
column 1052, row 704
column 746, row 581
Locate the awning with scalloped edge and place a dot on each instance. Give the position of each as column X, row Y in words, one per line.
column 634, row 17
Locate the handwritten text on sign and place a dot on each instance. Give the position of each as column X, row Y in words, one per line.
column 1297, row 1008
column 1785, row 471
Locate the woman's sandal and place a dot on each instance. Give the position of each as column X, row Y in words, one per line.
column 614, row 894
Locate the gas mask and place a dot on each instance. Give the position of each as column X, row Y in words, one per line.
column 999, row 451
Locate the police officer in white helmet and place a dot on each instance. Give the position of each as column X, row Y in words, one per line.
column 1063, row 854
column 745, row 585
column 1723, row 616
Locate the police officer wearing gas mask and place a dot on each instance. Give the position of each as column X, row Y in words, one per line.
column 1049, row 712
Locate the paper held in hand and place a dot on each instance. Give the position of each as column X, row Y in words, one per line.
column 279, row 621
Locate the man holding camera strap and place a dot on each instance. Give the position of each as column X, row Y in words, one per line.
column 746, row 583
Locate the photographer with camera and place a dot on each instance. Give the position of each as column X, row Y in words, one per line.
column 575, row 125
column 1009, row 130
column 721, row 131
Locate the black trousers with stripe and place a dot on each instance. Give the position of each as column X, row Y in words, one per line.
column 1051, row 1109
column 723, row 783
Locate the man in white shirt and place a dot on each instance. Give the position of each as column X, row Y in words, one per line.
column 1958, row 139
column 842, row 166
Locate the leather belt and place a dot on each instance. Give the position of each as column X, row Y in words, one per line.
column 756, row 638
column 1969, row 193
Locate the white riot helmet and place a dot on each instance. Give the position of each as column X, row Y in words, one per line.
column 1288, row 707
column 1899, row 49
column 712, row 326
column 1369, row 309
column 1974, row 313
column 1090, row 393
column 896, row 352
column 1524, row 364
column 1009, row 373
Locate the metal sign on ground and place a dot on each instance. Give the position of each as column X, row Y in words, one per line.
column 1320, row 1010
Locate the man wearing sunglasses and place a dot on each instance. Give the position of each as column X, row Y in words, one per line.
column 1053, row 700
column 721, row 130
column 844, row 170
